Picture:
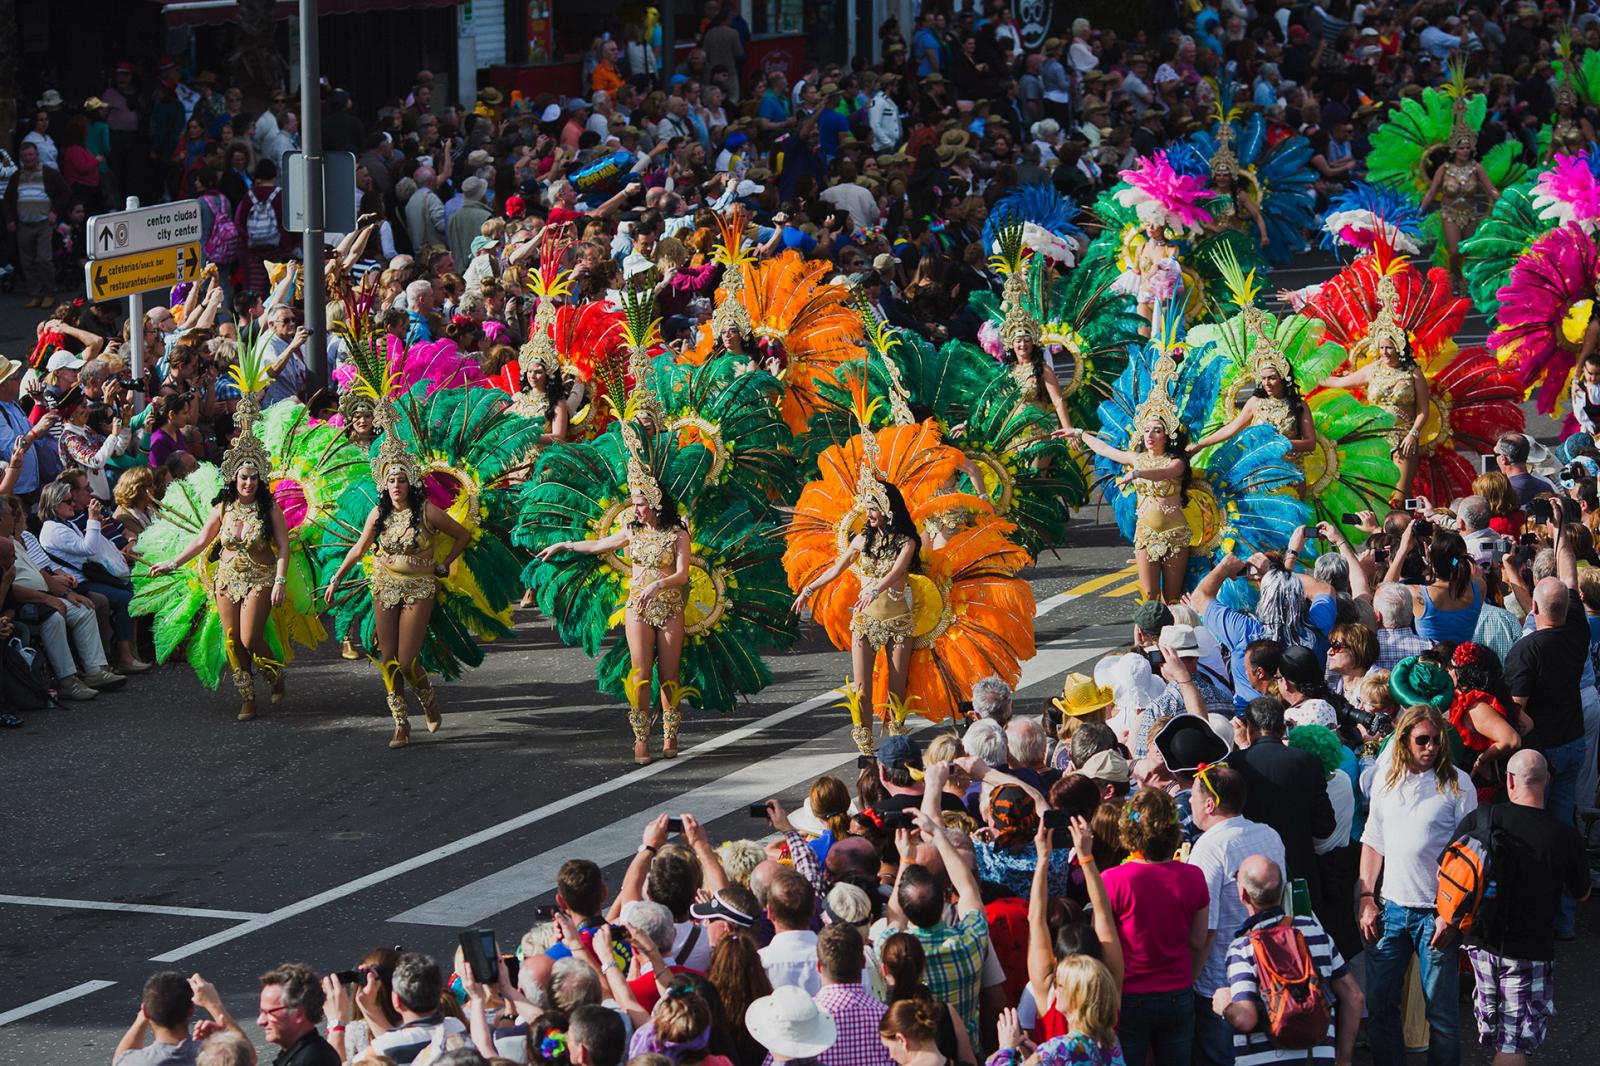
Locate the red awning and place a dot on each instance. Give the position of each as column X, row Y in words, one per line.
column 217, row 12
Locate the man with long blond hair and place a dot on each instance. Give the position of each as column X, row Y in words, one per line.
column 1419, row 796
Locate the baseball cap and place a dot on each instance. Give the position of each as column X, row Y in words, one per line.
column 550, row 113
column 899, row 751
column 63, row 360
column 1152, row 616
column 1108, row 765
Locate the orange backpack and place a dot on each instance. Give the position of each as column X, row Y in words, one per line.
column 1297, row 1012
column 1468, row 889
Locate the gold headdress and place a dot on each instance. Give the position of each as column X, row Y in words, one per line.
column 1158, row 407
column 1565, row 93
column 641, row 329
column 1008, row 261
column 641, row 482
column 392, row 452
column 1223, row 161
column 732, row 250
column 549, row 284
column 352, row 403
column 870, row 492
column 1386, row 325
column 250, row 375
column 1265, row 354
column 1462, row 135
column 731, row 312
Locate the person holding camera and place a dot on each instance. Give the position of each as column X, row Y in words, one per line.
column 1446, row 606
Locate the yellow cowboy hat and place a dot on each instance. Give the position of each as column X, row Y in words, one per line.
column 1080, row 695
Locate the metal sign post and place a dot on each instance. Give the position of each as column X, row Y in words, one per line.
column 135, row 317
column 311, row 144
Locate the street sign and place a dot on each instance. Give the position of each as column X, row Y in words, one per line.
column 144, row 229
column 107, row 279
column 338, row 192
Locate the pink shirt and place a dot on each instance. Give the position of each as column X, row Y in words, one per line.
column 1155, row 904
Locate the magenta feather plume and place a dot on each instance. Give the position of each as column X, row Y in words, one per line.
column 1568, row 192
column 1161, row 196
column 1531, row 339
column 439, row 363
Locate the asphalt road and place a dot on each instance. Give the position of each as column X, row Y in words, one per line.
column 150, row 830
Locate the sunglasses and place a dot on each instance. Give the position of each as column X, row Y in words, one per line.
column 1337, row 645
column 1425, row 740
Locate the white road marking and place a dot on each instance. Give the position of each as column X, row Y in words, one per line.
column 65, row 996
column 533, row 877
column 132, row 908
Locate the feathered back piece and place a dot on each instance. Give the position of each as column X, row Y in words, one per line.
column 641, row 329
column 1260, row 333
column 1570, row 190
column 375, row 384
column 549, row 283
column 359, row 322
column 1164, row 198
column 1363, row 213
column 870, row 491
column 1462, row 135
column 731, row 250
column 251, row 376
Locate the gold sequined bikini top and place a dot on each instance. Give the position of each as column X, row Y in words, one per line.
column 1392, row 387
column 1274, row 411
column 1022, row 374
column 1152, row 488
column 530, row 403
column 1460, row 179
column 1568, row 137
column 242, row 528
column 876, row 562
column 653, row 548
column 398, row 537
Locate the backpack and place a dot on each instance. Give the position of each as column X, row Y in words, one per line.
column 261, row 224
column 1468, row 888
column 1297, row 1011
column 223, row 244
column 25, row 681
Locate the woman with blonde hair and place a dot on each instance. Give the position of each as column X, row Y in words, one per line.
column 1505, row 510
column 1087, row 994
column 136, row 500
column 680, row 1026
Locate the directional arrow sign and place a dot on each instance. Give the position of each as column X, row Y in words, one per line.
column 127, row 275
column 144, row 229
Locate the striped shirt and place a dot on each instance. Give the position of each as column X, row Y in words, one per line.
column 404, row 1044
column 1252, row 1049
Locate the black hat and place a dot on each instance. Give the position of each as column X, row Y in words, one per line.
column 1300, row 666
column 1188, row 742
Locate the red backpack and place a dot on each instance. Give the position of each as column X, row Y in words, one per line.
column 1297, row 1012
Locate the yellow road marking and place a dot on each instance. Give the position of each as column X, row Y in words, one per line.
column 1125, row 590
column 1098, row 583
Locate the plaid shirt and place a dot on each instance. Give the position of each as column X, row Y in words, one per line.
column 1397, row 644
column 955, row 962
column 856, row 1012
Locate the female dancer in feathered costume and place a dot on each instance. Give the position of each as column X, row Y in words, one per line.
column 941, row 618
column 1339, row 443
column 790, row 322
column 1268, row 194
column 469, row 451
column 1570, row 131
column 1429, row 146
column 1167, row 206
column 1547, row 319
column 243, row 557
column 1175, row 514
column 404, row 531
column 625, row 530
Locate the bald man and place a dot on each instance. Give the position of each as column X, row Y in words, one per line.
column 1537, row 857
column 1544, row 673
column 1260, row 888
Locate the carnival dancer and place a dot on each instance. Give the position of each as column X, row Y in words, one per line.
column 1168, row 206
column 1394, row 382
column 405, row 574
column 248, row 528
column 1455, row 187
column 1158, row 473
column 655, row 543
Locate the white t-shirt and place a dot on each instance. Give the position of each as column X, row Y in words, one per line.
column 1342, row 795
column 1409, row 825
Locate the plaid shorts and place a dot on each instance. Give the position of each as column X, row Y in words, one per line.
column 1513, row 1002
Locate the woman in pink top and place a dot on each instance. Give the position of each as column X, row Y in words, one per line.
column 1160, row 907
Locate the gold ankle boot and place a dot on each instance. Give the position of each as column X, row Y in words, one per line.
column 422, row 685
column 396, row 698
column 244, row 682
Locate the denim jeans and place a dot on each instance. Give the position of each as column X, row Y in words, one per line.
column 1213, row 1036
column 121, row 622
column 1561, row 800
column 1406, row 932
column 1159, row 1022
